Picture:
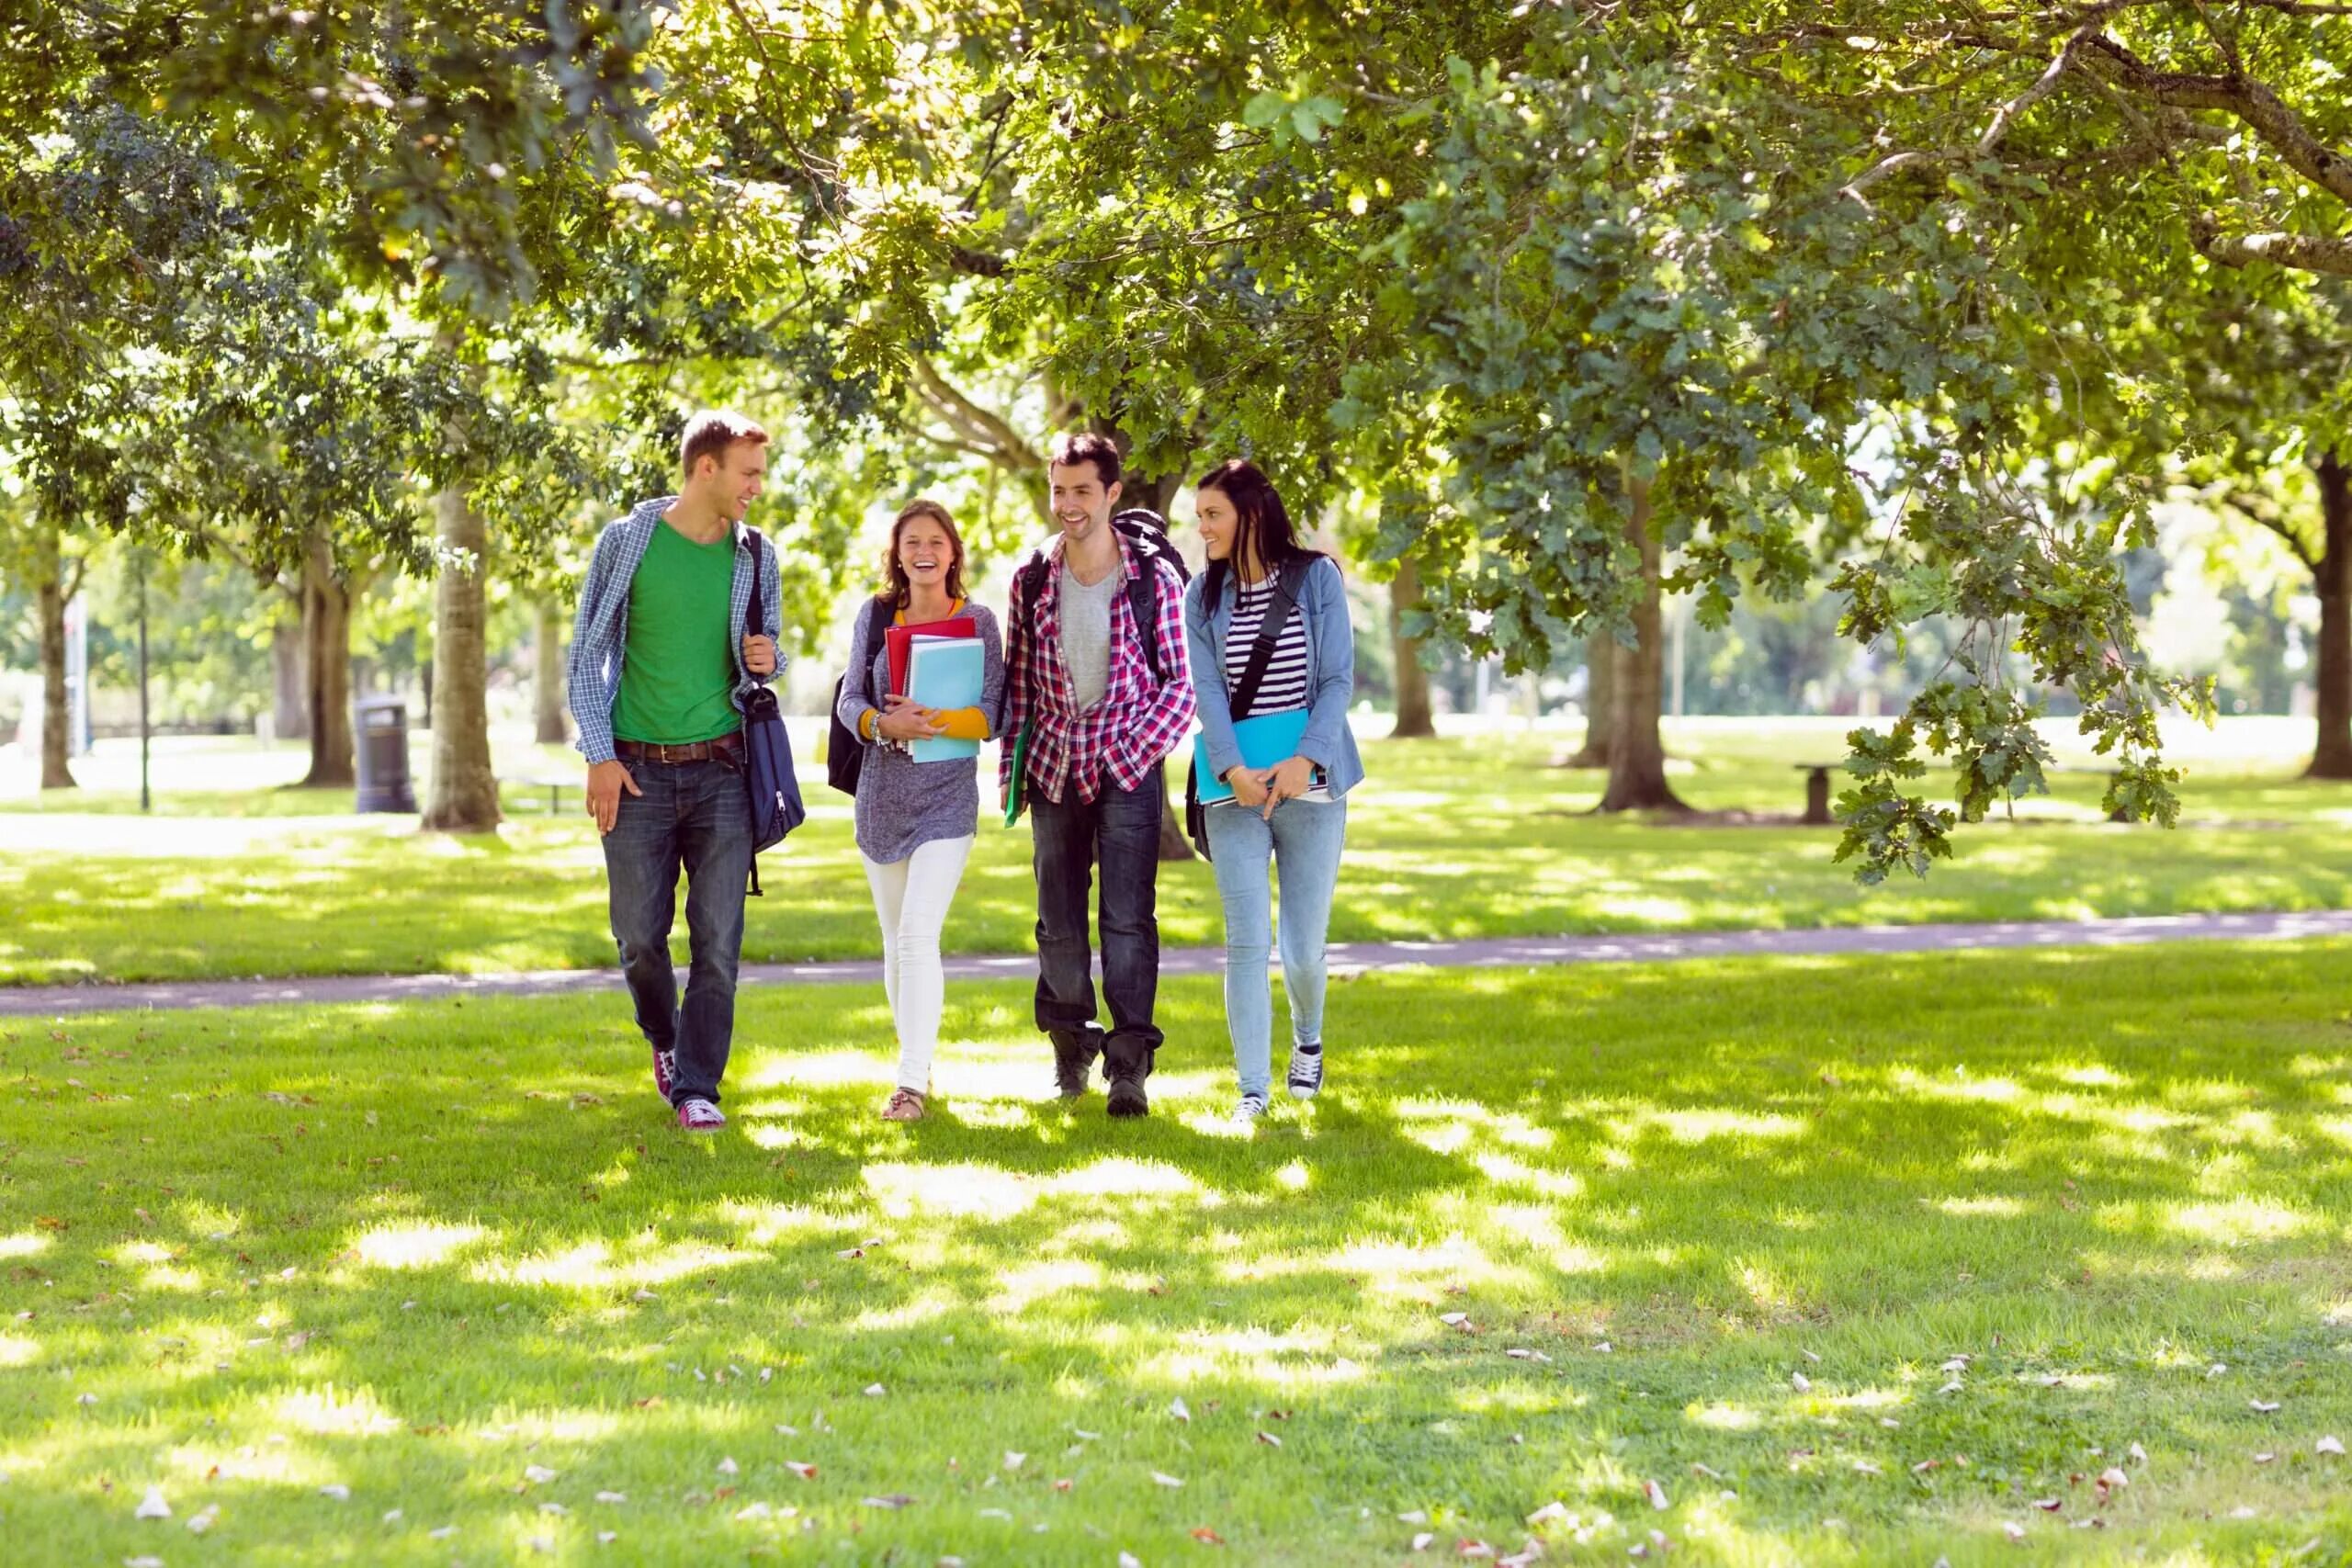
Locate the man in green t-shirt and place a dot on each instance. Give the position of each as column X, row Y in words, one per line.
column 661, row 662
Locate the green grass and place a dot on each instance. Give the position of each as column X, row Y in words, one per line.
column 412, row 1252
column 1448, row 839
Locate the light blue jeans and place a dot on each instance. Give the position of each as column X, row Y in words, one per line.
column 1303, row 844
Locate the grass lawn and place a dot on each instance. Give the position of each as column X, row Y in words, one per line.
column 1897, row 1250
column 1448, row 839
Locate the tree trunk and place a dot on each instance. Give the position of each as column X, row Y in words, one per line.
column 48, row 572
column 289, row 708
column 326, row 656
column 1601, row 656
column 465, row 788
column 1636, row 751
column 1413, row 718
column 2332, row 750
column 546, row 674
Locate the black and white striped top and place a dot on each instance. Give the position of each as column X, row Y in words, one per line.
column 1285, row 688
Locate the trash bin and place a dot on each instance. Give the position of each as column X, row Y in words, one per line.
column 379, row 745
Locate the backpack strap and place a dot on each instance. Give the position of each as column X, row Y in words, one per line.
column 1142, row 603
column 752, row 618
column 1271, row 627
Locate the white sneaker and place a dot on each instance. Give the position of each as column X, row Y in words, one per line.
column 1252, row 1107
column 1306, row 1072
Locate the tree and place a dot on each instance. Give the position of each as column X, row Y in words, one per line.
column 1414, row 721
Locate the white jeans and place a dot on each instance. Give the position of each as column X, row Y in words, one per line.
column 910, row 897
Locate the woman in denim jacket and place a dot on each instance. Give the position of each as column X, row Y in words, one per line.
column 1293, row 816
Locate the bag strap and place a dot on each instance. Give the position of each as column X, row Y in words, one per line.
column 1143, row 604
column 752, row 618
column 1271, row 627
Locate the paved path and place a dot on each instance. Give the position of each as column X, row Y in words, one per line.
column 30, row 1001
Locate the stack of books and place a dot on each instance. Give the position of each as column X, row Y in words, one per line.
column 942, row 665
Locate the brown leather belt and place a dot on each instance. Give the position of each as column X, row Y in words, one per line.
column 726, row 748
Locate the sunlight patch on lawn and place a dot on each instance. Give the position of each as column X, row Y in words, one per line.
column 1698, row 1126
column 966, row 1190
column 1504, row 1170
column 24, row 1244
column 411, row 1245
column 593, row 1266
column 1018, row 1289
column 1978, row 1208
column 1989, row 1091
column 1725, row 1417
column 1121, row 1176
column 350, row 1413
column 16, row 1351
column 2239, row 1221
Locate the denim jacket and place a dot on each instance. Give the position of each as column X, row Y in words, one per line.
column 600, row 633
column 1330, row 673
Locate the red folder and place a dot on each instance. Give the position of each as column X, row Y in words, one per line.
column 900, row 639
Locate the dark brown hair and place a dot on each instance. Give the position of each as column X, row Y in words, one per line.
column 893, row 573
column 1262, row 525
column 1088, row 446
column 710, row 432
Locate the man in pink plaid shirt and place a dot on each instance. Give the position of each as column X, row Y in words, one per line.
column 1103, row 712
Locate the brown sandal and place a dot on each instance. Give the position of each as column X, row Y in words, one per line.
column 905, row 1105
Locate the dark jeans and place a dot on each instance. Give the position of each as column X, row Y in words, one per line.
column 1119, row 830
column 691, row 815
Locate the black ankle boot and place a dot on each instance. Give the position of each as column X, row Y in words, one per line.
column 1074, row 1053
column 1127, row 1098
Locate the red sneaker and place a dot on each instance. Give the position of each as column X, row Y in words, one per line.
column 700, row 1116
column 665, row 1073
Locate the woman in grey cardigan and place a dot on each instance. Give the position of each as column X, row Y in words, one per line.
column 916, row 820
column 1291, row 814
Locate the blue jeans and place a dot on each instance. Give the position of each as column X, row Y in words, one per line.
column 1119, row 830
column 1303, row 843
column 692, row 817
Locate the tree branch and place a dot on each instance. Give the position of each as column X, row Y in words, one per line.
column 2043, row 85
column 2262, row 512
column 2251, row 101
column 2309, row 253
column 1009, row 451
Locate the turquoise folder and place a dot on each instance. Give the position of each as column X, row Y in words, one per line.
column 946, row 672
column 1267, row 741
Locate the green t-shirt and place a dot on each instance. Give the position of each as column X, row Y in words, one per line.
column 677, row 672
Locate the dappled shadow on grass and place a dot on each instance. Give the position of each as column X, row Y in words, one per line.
column 462, row 1242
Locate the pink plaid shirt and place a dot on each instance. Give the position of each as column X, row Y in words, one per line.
column 1138, row 722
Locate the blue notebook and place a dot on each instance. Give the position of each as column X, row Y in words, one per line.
column 946, row 672
column 1268, row 741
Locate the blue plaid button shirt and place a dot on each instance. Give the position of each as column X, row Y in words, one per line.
column 600, row 632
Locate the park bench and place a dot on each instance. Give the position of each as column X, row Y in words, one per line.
column 555, row 788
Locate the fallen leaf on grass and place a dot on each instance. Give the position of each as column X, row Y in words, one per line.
column 554, row 1510
column 2264, row 1406
column 337, row 1491
column 2048, row 1505
column 1206, row 1535
column 1801, row 1383
column 1517, row 1354
column 892, row 1500
column 1165, row 1480
column 1178, row 1408
column 1064, row 1484
column 874, row 1390
column 1415, row 1517
column 1454, row 1319
column 2263, row 1458
column 1472, row 1549
column 1127, row 1560
column 537, row 1474
column 1951, row 1387
column 2330, row 1445
column 1421, row 1541
column 805, row 1472
column 153, row 1505
column 1270, row 1439
column 753, row 1511
column 1864, row 1467
column 205, row 1519
column 612, row 1496
column 444, row 1533
column 728, row 1467
column 1003, row 1514
column 1656, row 1494
column 606, row 1538
column 1926, row 1465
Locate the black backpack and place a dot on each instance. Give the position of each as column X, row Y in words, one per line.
column 1145, row 532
